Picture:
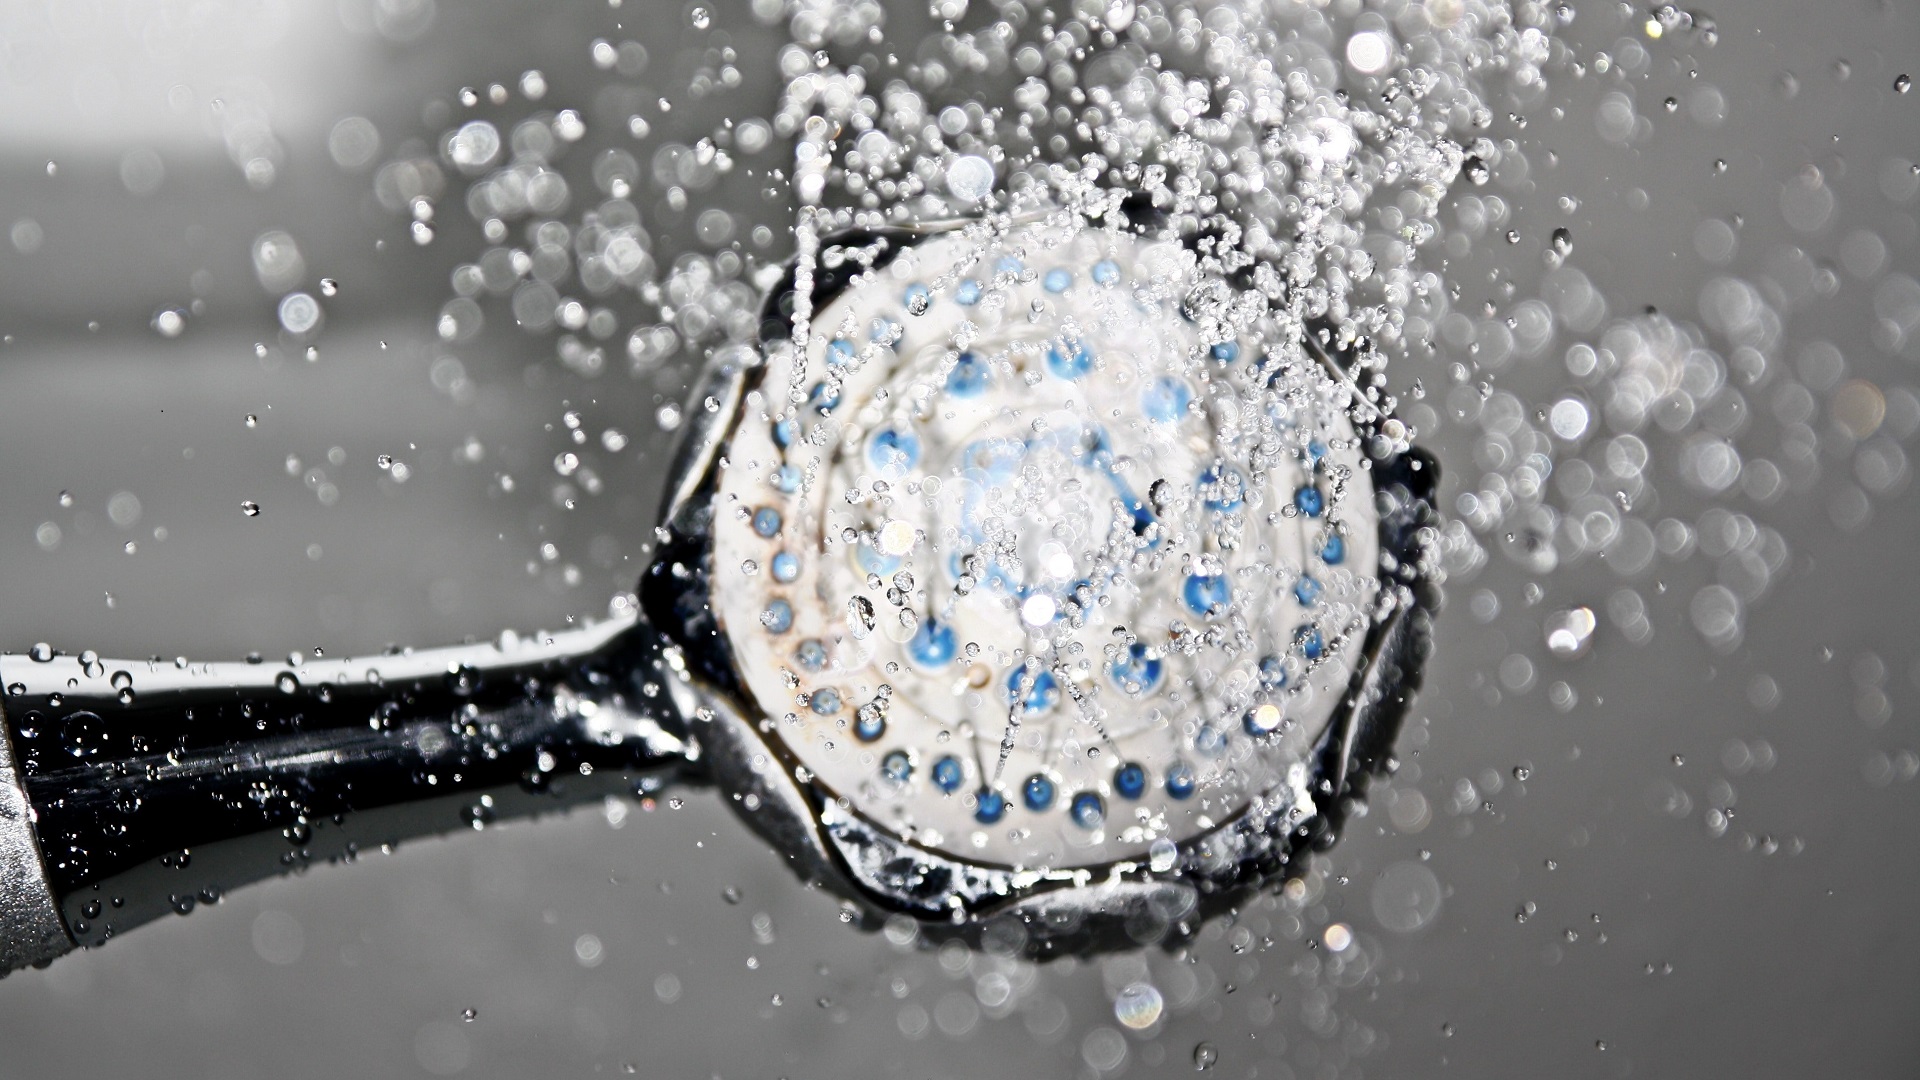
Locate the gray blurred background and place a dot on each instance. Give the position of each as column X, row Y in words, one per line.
column 1605, row 916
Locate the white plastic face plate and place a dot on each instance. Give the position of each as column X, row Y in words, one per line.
column 1027, row 571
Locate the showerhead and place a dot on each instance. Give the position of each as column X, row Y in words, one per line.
column 1037, row 570
column 1029, row 579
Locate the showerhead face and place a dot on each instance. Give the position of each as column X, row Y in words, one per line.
column 1039, row 560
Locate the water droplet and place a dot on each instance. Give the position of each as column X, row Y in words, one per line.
column 1205, row 1056
column 1138, row 1005
column 41, row 652
column 252, row 420
column 250, row 508
column 474, row 146
column 1569, row 632
column 469, row 1014
column 329, row 287
column 1161, row 855
column 299, row 313
column 860, row 617
column 700, row 17
column 970, row 178
column 1902, row 83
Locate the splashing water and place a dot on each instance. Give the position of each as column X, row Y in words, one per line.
column 1237, row 131
column 1324, row 164
column 1180, row 440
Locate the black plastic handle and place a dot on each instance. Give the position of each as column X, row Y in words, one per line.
column 157, row 785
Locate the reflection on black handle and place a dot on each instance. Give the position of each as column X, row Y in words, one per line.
column 158, row 785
